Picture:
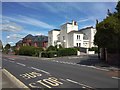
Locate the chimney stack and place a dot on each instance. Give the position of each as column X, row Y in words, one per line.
column 74, row 22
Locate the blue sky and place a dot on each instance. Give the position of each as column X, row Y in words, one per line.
column 20, row 18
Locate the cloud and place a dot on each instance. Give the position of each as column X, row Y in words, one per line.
column 10, row 26
column 84, row 20
column 10, row 42
column 30, row 21
column 25, row 32
column 8, row 37
column 15, row 36
column 96, row 9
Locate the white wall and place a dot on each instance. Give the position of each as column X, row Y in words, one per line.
column 78, row 40
column 89, row 35
column 52, row 37
column 63, row 33
column 69, row 39
column 65, row 29
column 71, row 27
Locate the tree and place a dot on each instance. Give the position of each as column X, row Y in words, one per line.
column 118, row 7
column 1, row 46
column 108, row 31
column 6, row 48
column 107, row 35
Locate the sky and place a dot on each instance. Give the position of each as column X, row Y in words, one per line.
column 37, row 18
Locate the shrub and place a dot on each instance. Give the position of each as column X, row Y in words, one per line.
column 29, row 51
column 52, row 54
column 51, row 48
column 38, row 50
column 60, row 46
column 67, row 51
column 44, row 54
column 49, row 54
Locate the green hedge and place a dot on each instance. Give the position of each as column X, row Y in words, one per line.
column 51, row 48
column 49, row 54
column 29, row 51
column 67, row 51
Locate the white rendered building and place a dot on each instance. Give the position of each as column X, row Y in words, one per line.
column 88, row 36
column 70, row 36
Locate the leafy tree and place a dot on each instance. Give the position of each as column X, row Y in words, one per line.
column 108, row 31
column 6, row 48
column 118, row 7
column 1, row 46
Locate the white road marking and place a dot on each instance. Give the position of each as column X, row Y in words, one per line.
column 11, row 58
column 62, row 79
column 100, row 68
column 80, row 65
column 11, row 61
column 5, row 59
column 94, row 67
column 78, row 83
column 21, row 64
column 73, row 57
column 74, row 63
column 40, row 70
column 116, row 77
column 83, row 87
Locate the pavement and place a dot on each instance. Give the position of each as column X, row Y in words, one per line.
column 6, row 82
column 62, row 72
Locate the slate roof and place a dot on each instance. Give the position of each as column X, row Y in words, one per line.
column 86, row 28
column 56, row 29
column 74, row 31
column 19, row 42
column 29, row 36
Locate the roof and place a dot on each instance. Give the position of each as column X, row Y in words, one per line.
column 56, row 29
column 28, row 36
column 86, row 28
column 19, row 42
column 45, row 39
column 66, row 23
column 40, row 38
column 74, row 31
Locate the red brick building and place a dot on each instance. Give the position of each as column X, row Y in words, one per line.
column 36, row 41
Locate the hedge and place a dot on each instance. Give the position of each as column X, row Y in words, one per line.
column 49, row 54
column 67, row 51
column 29, row 51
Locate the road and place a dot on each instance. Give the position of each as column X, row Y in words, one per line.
column 48, row 73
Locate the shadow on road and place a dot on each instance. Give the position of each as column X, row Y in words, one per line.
column 92, row 60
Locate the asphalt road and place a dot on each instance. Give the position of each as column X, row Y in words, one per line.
column 45, row 73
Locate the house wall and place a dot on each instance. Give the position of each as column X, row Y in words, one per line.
column 78, row 40
column 52, row 37
column 68, row 39
column 65, row 29
column 71, row 27
column 89, row 35
column 63, row 35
